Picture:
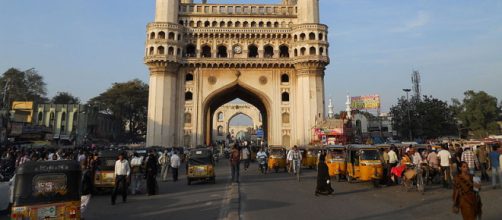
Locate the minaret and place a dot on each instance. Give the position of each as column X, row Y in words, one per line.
column 167, row 11
column 308, row 11
column 331, row 112
column 348, row 109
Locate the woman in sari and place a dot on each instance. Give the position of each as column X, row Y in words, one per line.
column 465, row 198
column 323, row 180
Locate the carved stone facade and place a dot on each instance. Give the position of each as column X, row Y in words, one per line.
column 225, row 114
column 202, row 56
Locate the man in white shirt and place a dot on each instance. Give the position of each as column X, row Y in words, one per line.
column 164, row 165
column 245, row 157
column 175, row 165
column 445, row 163
column 122, row 172
column 393, row 160
column 137, row 175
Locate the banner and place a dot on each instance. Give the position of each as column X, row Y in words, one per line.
column 365, row 102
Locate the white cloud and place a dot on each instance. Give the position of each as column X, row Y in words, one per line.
column 423, row 18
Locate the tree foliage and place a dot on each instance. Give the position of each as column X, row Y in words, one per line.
column 428, row 118
column 478, row 112
column 65, row 98
column 22, row 86
column 127, row 103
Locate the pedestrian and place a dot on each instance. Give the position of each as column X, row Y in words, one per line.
column 137, row 174
column 86, row 186
column 483, row 162
column 466, row 198
column 175, row 165
column 122, row 172
column 164, row 165
column 445, row 163
column 235, row 163
column 245, row 157
column 151, row 173
column 323, row 180
column 496, row 169
column 470, row 158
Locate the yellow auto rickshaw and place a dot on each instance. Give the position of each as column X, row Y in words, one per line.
column 277, row 159
column 312, row 157
column 364, row 163
column 335, row 159
column 47, row 190
column 200, row 165
column 104, row 177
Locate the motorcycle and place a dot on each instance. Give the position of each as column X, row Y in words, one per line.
column 262, row 160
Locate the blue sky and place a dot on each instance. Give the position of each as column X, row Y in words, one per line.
column 83, row 46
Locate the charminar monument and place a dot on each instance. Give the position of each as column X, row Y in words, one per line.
column 203, row 55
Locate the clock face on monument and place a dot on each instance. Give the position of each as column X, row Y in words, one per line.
column 237, row 49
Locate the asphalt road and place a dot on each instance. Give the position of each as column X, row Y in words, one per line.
column 281, row 196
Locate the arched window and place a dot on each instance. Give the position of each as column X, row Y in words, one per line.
column 311, row 36
column 188, row 96
column 215, row 24
column 283, row 51
column 269, row 51
column 237, row 24
column 302, row 51
column 191, row 24
column 245, row 24
column 312, row 51
column 230, row 24
column 152, row 50
column 160, row 50
column 286, row 140
column 252, row 51
column 302, row 36
column 189, row 77
column 295, row 37
column 222, row 51
column 321, row 36
column 40, row 118
column 179, row 37
column 181, row 22
column 296, row 52
column 285, row 118
column 206, row 51
column 188, row 118
column 276, row 24
column 253, row 24
column 152, row 35
column 171, row 36
column 190, row 50
column 220, row 130
column 63, row 122
column 260, row 24
column 221, row 117
column 162, row 35
column 207, row 24
column 284, row 78
column 222, row 24
column 285, row 97
column 170, row 51
column 269, row 24
column 51, row 120
column 199, row 23
column 321, row 51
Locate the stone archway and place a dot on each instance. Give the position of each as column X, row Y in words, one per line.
column 227, row 112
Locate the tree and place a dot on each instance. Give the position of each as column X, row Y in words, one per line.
column 478, row 113
column 19, row 85
column 429, row 118
column 65, row 98
column 127, row 103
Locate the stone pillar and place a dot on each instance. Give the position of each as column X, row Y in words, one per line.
column 161, row 124
column 308, row 11
column 310, row 100
column 167, row 11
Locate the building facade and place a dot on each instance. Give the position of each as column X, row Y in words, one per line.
column 201, row 56
column 224, row 114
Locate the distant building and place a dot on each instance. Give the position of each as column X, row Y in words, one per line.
column 370, row 128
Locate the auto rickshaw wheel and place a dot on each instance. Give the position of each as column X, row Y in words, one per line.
column 338, row 177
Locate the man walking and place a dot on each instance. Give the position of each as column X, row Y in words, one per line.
column 137, row 176
column 496, row 169
column 235, row 163
column 445, row 163
column 175, row 165
column 151, row 173
column 164, row 165
column 122, row 171
column 245, row 157
column 470, row 158
column 483, row 162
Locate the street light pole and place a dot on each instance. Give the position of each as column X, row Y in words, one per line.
column 408, row 110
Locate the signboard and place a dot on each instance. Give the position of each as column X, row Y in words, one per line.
column 259, row 133
column 365, row 102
